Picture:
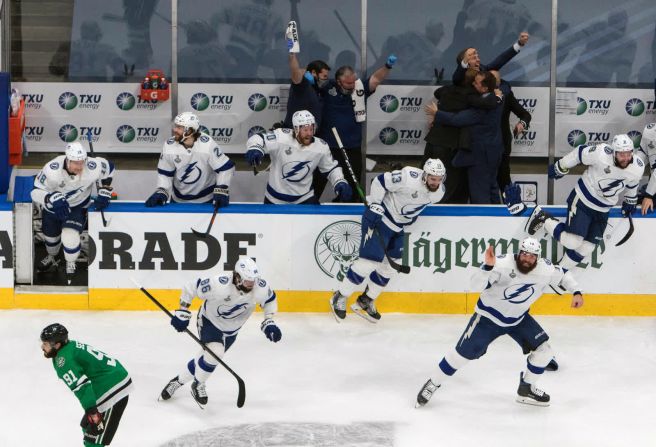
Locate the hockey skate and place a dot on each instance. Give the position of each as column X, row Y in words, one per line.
column 47, row 264
column 426, row 393
column 529, row 394
column 71, row 267
column 170, row 388
column 536, row 220
column 338, row 306
column 199, row 393
column 365, row 307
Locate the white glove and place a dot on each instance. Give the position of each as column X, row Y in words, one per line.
column 291, row 34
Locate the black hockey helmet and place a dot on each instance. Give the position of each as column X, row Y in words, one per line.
column 55, row 333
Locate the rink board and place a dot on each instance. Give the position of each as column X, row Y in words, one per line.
column 304, row 251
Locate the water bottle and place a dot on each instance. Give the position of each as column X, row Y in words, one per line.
column 14, row 101
column 163, row 85
column 154, row 82
column 146, row 83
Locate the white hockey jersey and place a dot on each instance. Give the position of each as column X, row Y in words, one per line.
column 292, row 165
column 403, row 195
column 647, row 153
column 602, row 183
column 191, row 174
column 77, row 188
column 508, row 293
column 225, row 306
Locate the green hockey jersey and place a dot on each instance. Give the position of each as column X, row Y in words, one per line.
column 96, row 379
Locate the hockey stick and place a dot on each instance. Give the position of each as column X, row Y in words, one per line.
column 396, row 266
column 628, row 234
column 241, row 396
column 102, row 212
column 209, row 227
column 255, row 171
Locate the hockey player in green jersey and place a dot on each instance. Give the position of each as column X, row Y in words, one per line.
column 100, row 383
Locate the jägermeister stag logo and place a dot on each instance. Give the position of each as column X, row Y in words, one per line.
column 337, row 247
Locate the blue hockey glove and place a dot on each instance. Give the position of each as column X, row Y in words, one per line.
column 628, row 208
column 373, row 215
column 221, row 196
column 556, row 171
column 92, row 422
column 254, row 157
column 57, row 203
column 104, row 196
column 158, row 198
column 391, row 60
column 512, row 195
column 271, row 331
column 180, row 319
column 343, row 191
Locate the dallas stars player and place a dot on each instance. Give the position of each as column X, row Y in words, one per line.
column 100, row 383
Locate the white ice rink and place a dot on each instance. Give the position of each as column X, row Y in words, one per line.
column 350, row 384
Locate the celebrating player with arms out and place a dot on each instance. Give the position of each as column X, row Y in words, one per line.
column 100, row 383
column 396, row 199
column 511, row 284
column 192, row 168
column 230, row 299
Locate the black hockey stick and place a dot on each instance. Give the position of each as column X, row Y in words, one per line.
column 102, row 212
column 209, row 227
column 628, row 234
column 395, row 265
column 241, row 397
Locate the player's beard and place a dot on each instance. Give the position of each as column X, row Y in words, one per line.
column 305, row 140
column 432, row 188
column 50, row 354
column 525, row 267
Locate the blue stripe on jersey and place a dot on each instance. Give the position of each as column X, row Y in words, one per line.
column 534, row 369
column 581, row 147
column 202, row 364
column 328, row 173
column 228, row 165
column 72, row 250
column 281, row 196
column 446, row 368
column 590, row 197
column 381, row 179
column 632, row 187
column 200, row 195
column 273, row 297
column 498, row 315
column 166, row 173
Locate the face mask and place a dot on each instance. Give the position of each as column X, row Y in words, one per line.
column 321, row 82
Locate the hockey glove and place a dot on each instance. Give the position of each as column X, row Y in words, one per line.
column 343, row 191
column 291, row 34
column 254, row 157
column 221, row 196
column 391, row 60
column 180, row 319
column 159, row 198
column 512, row 195
column 271, row 331
column 57, row 203
column 92, row 422
column 556, row 171
column 373, row 215
column 104, row 196
column 628, row 208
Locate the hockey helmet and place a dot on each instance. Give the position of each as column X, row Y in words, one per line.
column 622, row 143
column 187, row 120
column 434, row 166
column 302, row 118
column 648, row 141
column 75, row 151
column 54, row 333
column 247, row 269
column 531, row 245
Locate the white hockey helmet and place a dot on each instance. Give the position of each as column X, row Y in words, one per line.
column 434, row 166
column 187, row 120
column 75, row 151
column 648, row 141
column 247, row 269
column 302, row 118
column 531, row 245
column 622, row 143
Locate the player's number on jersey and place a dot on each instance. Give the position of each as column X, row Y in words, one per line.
column 396, row 176
column 70, row 378
column 205, row 286
column 100, row 355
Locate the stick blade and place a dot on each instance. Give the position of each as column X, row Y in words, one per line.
column 241, row 396
column 628, row 234
column 199, row 234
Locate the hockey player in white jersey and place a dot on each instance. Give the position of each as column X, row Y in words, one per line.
column 192, row 168
column 294, row 158
column 647, row 153
column 395, row 201
column 229, row 300
column 510, row 284
column 612, row 170
column 63, row 188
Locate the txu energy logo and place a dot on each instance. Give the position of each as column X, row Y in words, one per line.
column 200, row 101
column 576, row 138
column 336, row 247
column 257, row 102
column 255, row 129
column 221, row 135
column 125, row 101
column 531, row 103
column 388, row 136
column 67, row 101
column 126, row 133
column 634, row 107
column 636, row 137
column 34, row 133
column 33, row 101
column 525, row 139
column 68, row 133
column 581, row 105
column 389, row 103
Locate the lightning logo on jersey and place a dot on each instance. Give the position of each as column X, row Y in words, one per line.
column 524, row 292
